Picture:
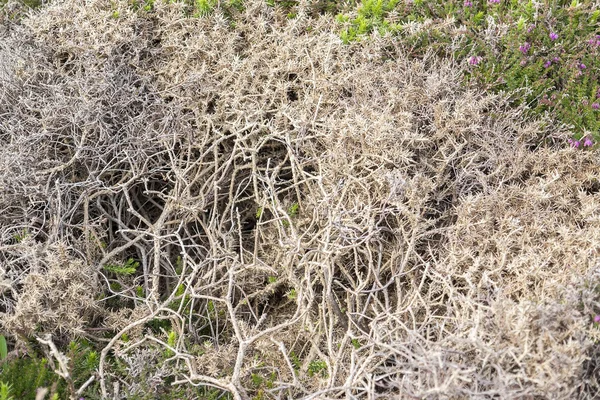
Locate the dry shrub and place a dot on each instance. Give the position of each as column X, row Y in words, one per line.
column 349, row 221
column 56, row 295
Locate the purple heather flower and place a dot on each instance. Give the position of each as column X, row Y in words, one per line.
column 574, row 143
column 547, row 64
column 581, row 66
column 587, row 142
column 524, row 48
column 468, row 3
column 474, row 60
column 597, row 319
column 556, row 59
column 532, row 27
column 595, row 106
column 494, row 1
column 553, row 35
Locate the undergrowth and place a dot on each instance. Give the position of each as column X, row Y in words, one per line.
column 224, row 200
column 544, row 52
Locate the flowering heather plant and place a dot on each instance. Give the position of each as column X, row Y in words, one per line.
column 524, row 48
column 474, row 60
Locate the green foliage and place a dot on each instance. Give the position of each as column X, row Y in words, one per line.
column 257, row 380
column 205, row 7
column 292, row 295
column 3, row 348
column 158, row 325
column 28, row 3
column 295, row 361
column 371, row 16
column 172, row 342
column 22, row 377
column 139, row 292
column 317, row 367
column 129, row 268
column 293, row 210
column 22, row 235
column 5, row 391
column 356, row 344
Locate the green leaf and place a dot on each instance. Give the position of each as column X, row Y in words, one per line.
column 3, row 348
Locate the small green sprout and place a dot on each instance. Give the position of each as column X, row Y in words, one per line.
column 139, row 291
column 22, row 235
column 295, row 361
column 293, row 210
column 317, row 367
column 257, row 380
column 272, row 279
column 172, row 342
column 205, row 7
column 128, row 268
column 292, row 295
column 5, row 390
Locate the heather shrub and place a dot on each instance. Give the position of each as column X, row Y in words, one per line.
column 259, row 210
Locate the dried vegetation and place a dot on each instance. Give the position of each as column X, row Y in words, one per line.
column 337, row 220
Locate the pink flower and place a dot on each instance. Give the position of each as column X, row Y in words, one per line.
column 553, row 36
column 556, row 59
column 524, row 48
column 494, row 1
column 532, row 27
column 581, row 66
column 474, row 60
column 547, row 64
column 468, row 3
column 587, row 142
column 574, row 143
column 595, row 106
column 597, row 319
